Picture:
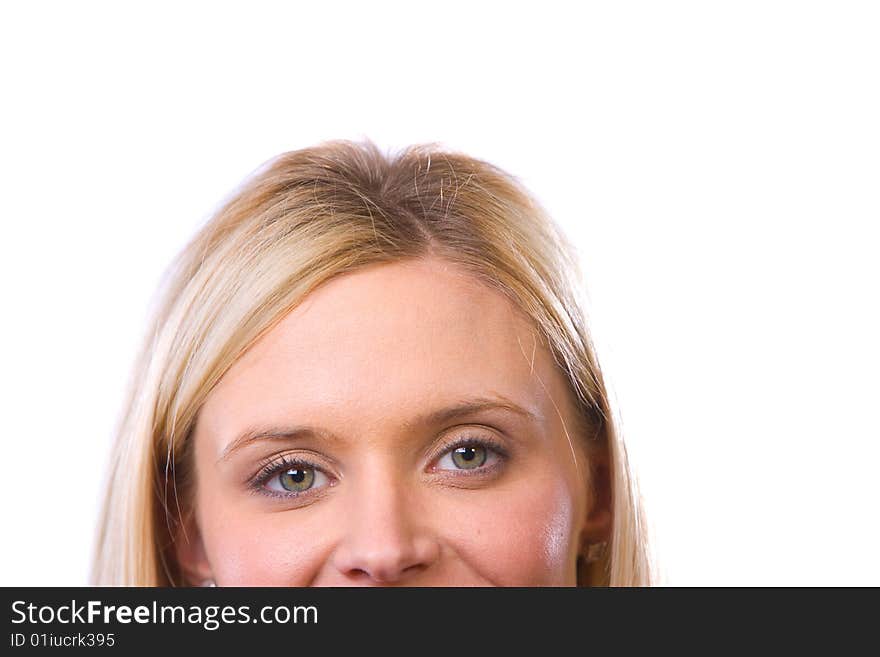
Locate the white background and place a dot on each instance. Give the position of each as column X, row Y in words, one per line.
column 718, row 164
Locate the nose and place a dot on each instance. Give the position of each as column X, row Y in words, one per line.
column 386, row 538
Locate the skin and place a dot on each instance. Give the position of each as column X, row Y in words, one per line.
column 361, row 362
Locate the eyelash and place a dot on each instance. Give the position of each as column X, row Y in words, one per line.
column 276, row 465
column 485, row 443
column 273, row 466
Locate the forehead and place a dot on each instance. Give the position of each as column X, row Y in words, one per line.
column 383, row 344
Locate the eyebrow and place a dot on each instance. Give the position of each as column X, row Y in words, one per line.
column 462, row 409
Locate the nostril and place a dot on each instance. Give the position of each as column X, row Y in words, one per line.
column 385, row 577
column 414, row 569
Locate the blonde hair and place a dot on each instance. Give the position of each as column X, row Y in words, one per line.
column 305, row 217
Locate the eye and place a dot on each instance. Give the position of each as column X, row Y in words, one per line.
column 470, row 455
column 291, row 478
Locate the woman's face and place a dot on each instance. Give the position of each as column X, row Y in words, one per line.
column 402, row 426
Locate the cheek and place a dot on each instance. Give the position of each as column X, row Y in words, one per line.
column 523, row 536
column 248, row 548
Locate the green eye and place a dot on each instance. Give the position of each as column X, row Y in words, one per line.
column 290, row 477
column 468, row 457
column 297, row 479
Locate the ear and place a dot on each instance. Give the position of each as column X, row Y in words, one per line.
column 190, row 553
column 598, row 521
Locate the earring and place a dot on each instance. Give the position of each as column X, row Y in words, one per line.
column 208, row 582
column 595, row 551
